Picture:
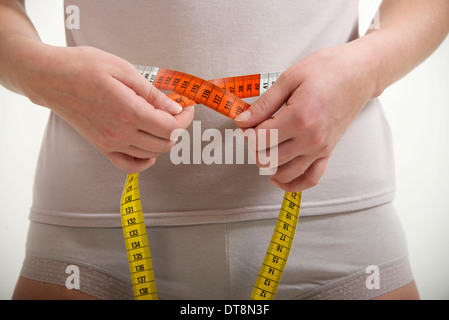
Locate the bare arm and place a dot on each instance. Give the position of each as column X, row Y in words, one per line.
column 15, row 28
column 324, row 92
column 410, row 31
column 100, row 95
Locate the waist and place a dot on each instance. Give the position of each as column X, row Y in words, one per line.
column 76, row 185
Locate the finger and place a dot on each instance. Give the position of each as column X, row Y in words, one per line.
column 139, row 153
column 152, row 143
column 287, row 151
column 143, row 88
column 309, row 179
column 271, row 132
column 264, row 148
column 162, row 124
column 143, row 115
column 293, row 169
column 268, row 159
column 185, row 118
column 293, row 120
column 259, row 139
column 267, row 104
column 130, row 164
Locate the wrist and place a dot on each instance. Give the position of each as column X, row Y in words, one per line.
column 365, row 58
column 22, row 61
column 384, row 57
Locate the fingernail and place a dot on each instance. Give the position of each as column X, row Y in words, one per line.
column 173, row 108
column 243, row 116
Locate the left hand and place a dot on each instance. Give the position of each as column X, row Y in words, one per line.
column 322, row 94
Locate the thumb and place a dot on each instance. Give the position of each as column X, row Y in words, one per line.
column 264, row 107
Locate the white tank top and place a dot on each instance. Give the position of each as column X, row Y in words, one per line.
column 76, row 185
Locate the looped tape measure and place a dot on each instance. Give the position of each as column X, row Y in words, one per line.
column 222, row 95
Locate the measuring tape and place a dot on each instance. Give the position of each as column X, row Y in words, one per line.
column 224, row 96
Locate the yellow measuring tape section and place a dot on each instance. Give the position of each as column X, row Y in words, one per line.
column 273, row 266
column 224, row 96
column 136, row 241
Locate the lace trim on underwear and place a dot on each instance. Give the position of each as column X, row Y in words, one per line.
column 92, row 281
column 392, row 275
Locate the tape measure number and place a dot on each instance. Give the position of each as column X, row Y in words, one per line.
column 279, row 248
column 136, row 241
column 224, row 96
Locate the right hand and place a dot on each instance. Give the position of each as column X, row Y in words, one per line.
column 107, row 101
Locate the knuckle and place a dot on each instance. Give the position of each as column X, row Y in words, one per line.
column 128, row 116
column 152, row 93
column 309, row 116
column 318, row 140
column 299, row 119
column 306, row 123
column 111, row 136
column 110, row 139
column 287, row 77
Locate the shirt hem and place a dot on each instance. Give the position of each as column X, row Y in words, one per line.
column 112, row 220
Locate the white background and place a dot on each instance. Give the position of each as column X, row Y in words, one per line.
column 417, row 108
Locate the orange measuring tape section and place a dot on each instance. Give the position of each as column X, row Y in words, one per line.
column 224, row 96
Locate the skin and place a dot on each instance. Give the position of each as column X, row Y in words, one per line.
column 107, row 101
